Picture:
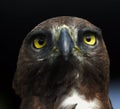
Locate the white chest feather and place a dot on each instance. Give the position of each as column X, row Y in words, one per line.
column 78, row 102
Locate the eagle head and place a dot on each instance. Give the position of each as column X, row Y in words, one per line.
column 63, row 64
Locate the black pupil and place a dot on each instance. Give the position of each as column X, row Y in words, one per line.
column 41, row 41
column 88, row 38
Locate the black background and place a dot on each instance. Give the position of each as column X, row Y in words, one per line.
column 18, row 17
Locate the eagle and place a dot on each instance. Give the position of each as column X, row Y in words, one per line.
column 63, row 63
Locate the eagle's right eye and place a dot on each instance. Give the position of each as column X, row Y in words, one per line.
column 39, row 42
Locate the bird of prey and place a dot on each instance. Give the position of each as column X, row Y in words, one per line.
column 63, row 63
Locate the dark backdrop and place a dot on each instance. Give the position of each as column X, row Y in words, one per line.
column 18, row 17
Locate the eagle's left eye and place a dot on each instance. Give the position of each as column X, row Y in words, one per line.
column 39, row 42
column 89, row 39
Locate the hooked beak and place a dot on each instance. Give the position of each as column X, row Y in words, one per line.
column 65, row 43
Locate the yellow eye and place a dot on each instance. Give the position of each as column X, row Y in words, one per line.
column 39, row 42
column 89, row 39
